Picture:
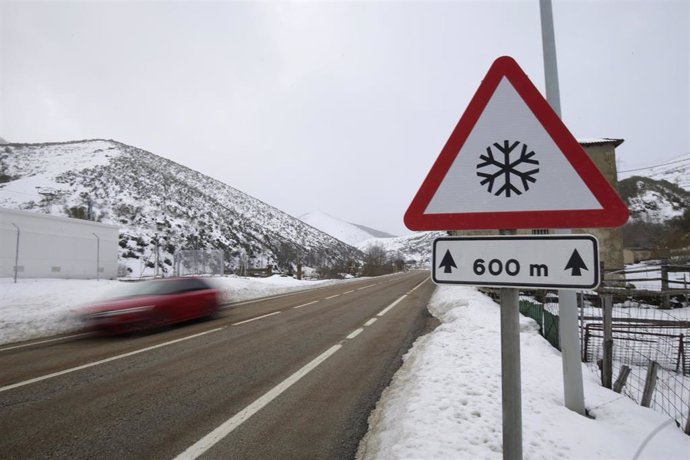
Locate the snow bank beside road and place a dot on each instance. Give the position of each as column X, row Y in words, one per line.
column 34, row 308
column 445, row 401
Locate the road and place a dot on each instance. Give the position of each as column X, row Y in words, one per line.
column 291, row 376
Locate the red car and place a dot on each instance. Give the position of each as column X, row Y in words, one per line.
column 152, row 304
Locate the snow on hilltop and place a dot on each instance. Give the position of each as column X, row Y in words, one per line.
column 415, row 247
column 346, row 232
column 147, row 195
column 659, row 193
column 675, row 171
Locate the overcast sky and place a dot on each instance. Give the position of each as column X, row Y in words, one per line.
column 340, row 107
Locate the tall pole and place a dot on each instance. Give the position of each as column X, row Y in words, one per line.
column 510, row 375
column 16, row 254
column 573, row 392
column 511, row 384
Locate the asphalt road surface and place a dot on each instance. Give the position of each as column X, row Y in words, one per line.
column 291, row 376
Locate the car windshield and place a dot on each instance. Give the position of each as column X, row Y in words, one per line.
column 150, row 288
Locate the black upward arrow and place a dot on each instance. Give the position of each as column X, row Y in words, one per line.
column 447, row 262
column 576, row 264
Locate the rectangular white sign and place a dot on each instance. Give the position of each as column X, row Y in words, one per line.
column 541, row 261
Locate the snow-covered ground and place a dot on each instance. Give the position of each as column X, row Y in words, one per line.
column 445, row 401
column 41, row 307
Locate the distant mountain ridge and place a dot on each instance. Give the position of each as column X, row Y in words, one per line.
column 415, row 248
column 352, row 234
column 148, row 195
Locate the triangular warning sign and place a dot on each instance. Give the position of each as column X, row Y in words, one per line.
column 511, row 163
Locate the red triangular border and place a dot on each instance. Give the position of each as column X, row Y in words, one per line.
column 614, row 212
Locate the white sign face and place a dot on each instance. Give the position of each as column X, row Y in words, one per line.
column 510, row 163
column 540, row 261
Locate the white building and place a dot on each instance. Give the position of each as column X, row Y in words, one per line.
column 56, row 247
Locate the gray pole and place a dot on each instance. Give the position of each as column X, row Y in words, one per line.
column 567, row 300
column 511, row 384
column 510, row 375
column 98, row 256
column 16, row 254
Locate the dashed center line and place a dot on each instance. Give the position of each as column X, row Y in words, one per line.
column 366, row 287
column 333, row 296
column 370, row 322
column 347, row 292
column 308, row 303
column 258, row 317
column 354, row 333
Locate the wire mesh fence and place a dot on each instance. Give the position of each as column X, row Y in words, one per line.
column 199, row 262
column 642, row 335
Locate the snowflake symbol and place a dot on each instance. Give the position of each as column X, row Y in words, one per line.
column 506, row 169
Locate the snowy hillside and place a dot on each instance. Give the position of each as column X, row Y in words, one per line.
column 147, row 195
column 416, row 247
column 346, row 232
column 675, row 171
column 653, row 200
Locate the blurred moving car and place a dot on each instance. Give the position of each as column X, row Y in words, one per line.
column 152, row 304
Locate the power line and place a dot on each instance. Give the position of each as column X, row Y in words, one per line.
column 656, row 166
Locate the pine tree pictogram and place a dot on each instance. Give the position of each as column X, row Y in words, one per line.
column 505, row 172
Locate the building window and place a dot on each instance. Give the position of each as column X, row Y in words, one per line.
column 540, row 231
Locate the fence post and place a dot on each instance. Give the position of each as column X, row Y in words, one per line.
column 687, row 423
column 649, row 384
column 607, row 367
column 664, row 286
column 622, row 378
column 680, row 362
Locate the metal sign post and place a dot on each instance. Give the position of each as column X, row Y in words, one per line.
column 511, row 383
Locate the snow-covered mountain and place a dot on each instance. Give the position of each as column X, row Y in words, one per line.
column 658, row 193
column 415, row 248
column 411, row 248
column 147, row 195
column 653, row 200
column 675, row 171
column 346, row 232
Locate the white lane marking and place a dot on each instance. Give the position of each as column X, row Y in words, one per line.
column 366, row 287
column 333, row 296
column 415, row 288
column 308, row 303
column 354, row 334
column 107, row 360
column 67, row 337
column 347, row 292
column 232, row 423
column 254, row 319
column 389, row 307
column 370, row 322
